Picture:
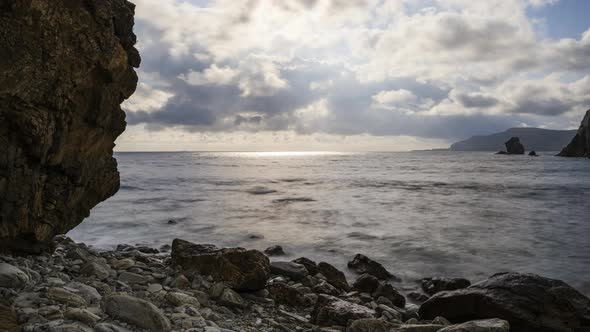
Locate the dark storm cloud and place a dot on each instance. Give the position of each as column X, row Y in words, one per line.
column 476, row 100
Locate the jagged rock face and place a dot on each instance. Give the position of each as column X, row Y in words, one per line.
column 513, row 146
column 65, row 68
column 580, row 144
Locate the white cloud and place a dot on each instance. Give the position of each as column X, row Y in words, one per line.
column 542, row 3
column 393, row 97
column 213, row 75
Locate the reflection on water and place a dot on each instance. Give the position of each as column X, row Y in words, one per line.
column 421, row 213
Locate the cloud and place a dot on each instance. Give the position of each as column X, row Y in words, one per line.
column 440, row 69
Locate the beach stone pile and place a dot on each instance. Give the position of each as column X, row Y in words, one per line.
column 203, row 288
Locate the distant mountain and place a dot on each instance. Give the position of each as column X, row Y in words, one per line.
column 532, row 138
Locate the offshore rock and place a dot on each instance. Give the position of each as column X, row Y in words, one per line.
column 527, row 301
column 580, row 144
column 513, row 146
column 65, row 68
column 238, row 268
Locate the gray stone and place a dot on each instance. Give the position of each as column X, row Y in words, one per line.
column 82, row 315
column 89, row 293
column 137, row 312
column 486, row 325
column 107, row 327
column 291, row 270
column 97, row 269
column 229, row 298
column 370, row 325
column 154, row 288
column 65, row 296
column 331, row 310
column 12, row 277
column 133, row 278
column 179, row 299
column 123, row 264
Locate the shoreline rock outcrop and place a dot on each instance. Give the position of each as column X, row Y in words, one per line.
column 513, row 146
column 57, row 296
column 580, row 144
column 65, row 68
column 529, row 302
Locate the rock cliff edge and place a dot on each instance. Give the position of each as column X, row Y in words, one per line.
column 65, row 68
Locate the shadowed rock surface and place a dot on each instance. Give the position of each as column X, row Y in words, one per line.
column 65, row 68
column 513, row 146
column 527, row 301
column 580, row 144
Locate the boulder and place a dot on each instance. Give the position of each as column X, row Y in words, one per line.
column 240, row 269
column 484, row 325
column 366, row 284
column 291, row 270
column 389, row 292
column 282, row 293
column 66, row 68
column 330, row 310
column 580, row 144
column 362, row 264
column 65, row 296
column 533, row 154
column 527, row 301
column 275, row 251
column 432, row 286
column 310, row 265
column 229, row 298
column 96, row 268
column 12, row 277
column 136, row 311
column 8, row 321
column 334, row 276
column 513, row 146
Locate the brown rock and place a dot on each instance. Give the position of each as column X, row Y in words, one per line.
column 65, row 68
column 580, row 144
column 238, row 268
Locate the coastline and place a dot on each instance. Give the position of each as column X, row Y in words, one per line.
column 131, row 288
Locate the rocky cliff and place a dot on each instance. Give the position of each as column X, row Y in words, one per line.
column 580, row 144
column 65, row 68
column 533, row 138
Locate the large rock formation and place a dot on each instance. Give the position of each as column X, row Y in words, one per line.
column 513, row 146
column 529, row 302
column 65, row 68
column 580, row 144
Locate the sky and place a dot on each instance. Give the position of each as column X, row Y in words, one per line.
column 353, row 75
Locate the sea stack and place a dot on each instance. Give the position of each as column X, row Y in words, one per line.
column 513, row 146
column 65, row 68
column 580, row 144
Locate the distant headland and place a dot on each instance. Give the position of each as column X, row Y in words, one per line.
column 533, row 138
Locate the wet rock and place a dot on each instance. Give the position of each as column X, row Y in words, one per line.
column 513, row 146
column 291, row 270
column 107, row 327
column 60, row 113
column 580, row 144
column 331, row 310
column 136, row 311
column 432, row 286
column 12, row 277
column 179, row 299
column 97, row 269
column 123, row 264
column 88, row 293
column 229, row 298
column 389, row 292
column 310, row 265
column 64, row 296
column 275, row 251
column 487, row 325
column 154, row 288
column 528, row 302
column 239, row 268
column 417, row 297
column 334, row 276
column 366, row 283
column 323, row 287
column 418, row 328
column 362, row 264
column 370, row 325
column 82, row 315
column 282, row 293
column 133, row 278
column 533, row 154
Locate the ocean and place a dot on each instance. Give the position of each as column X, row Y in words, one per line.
column 421, row 214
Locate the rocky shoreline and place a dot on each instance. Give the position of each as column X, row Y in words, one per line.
column 191, row 287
